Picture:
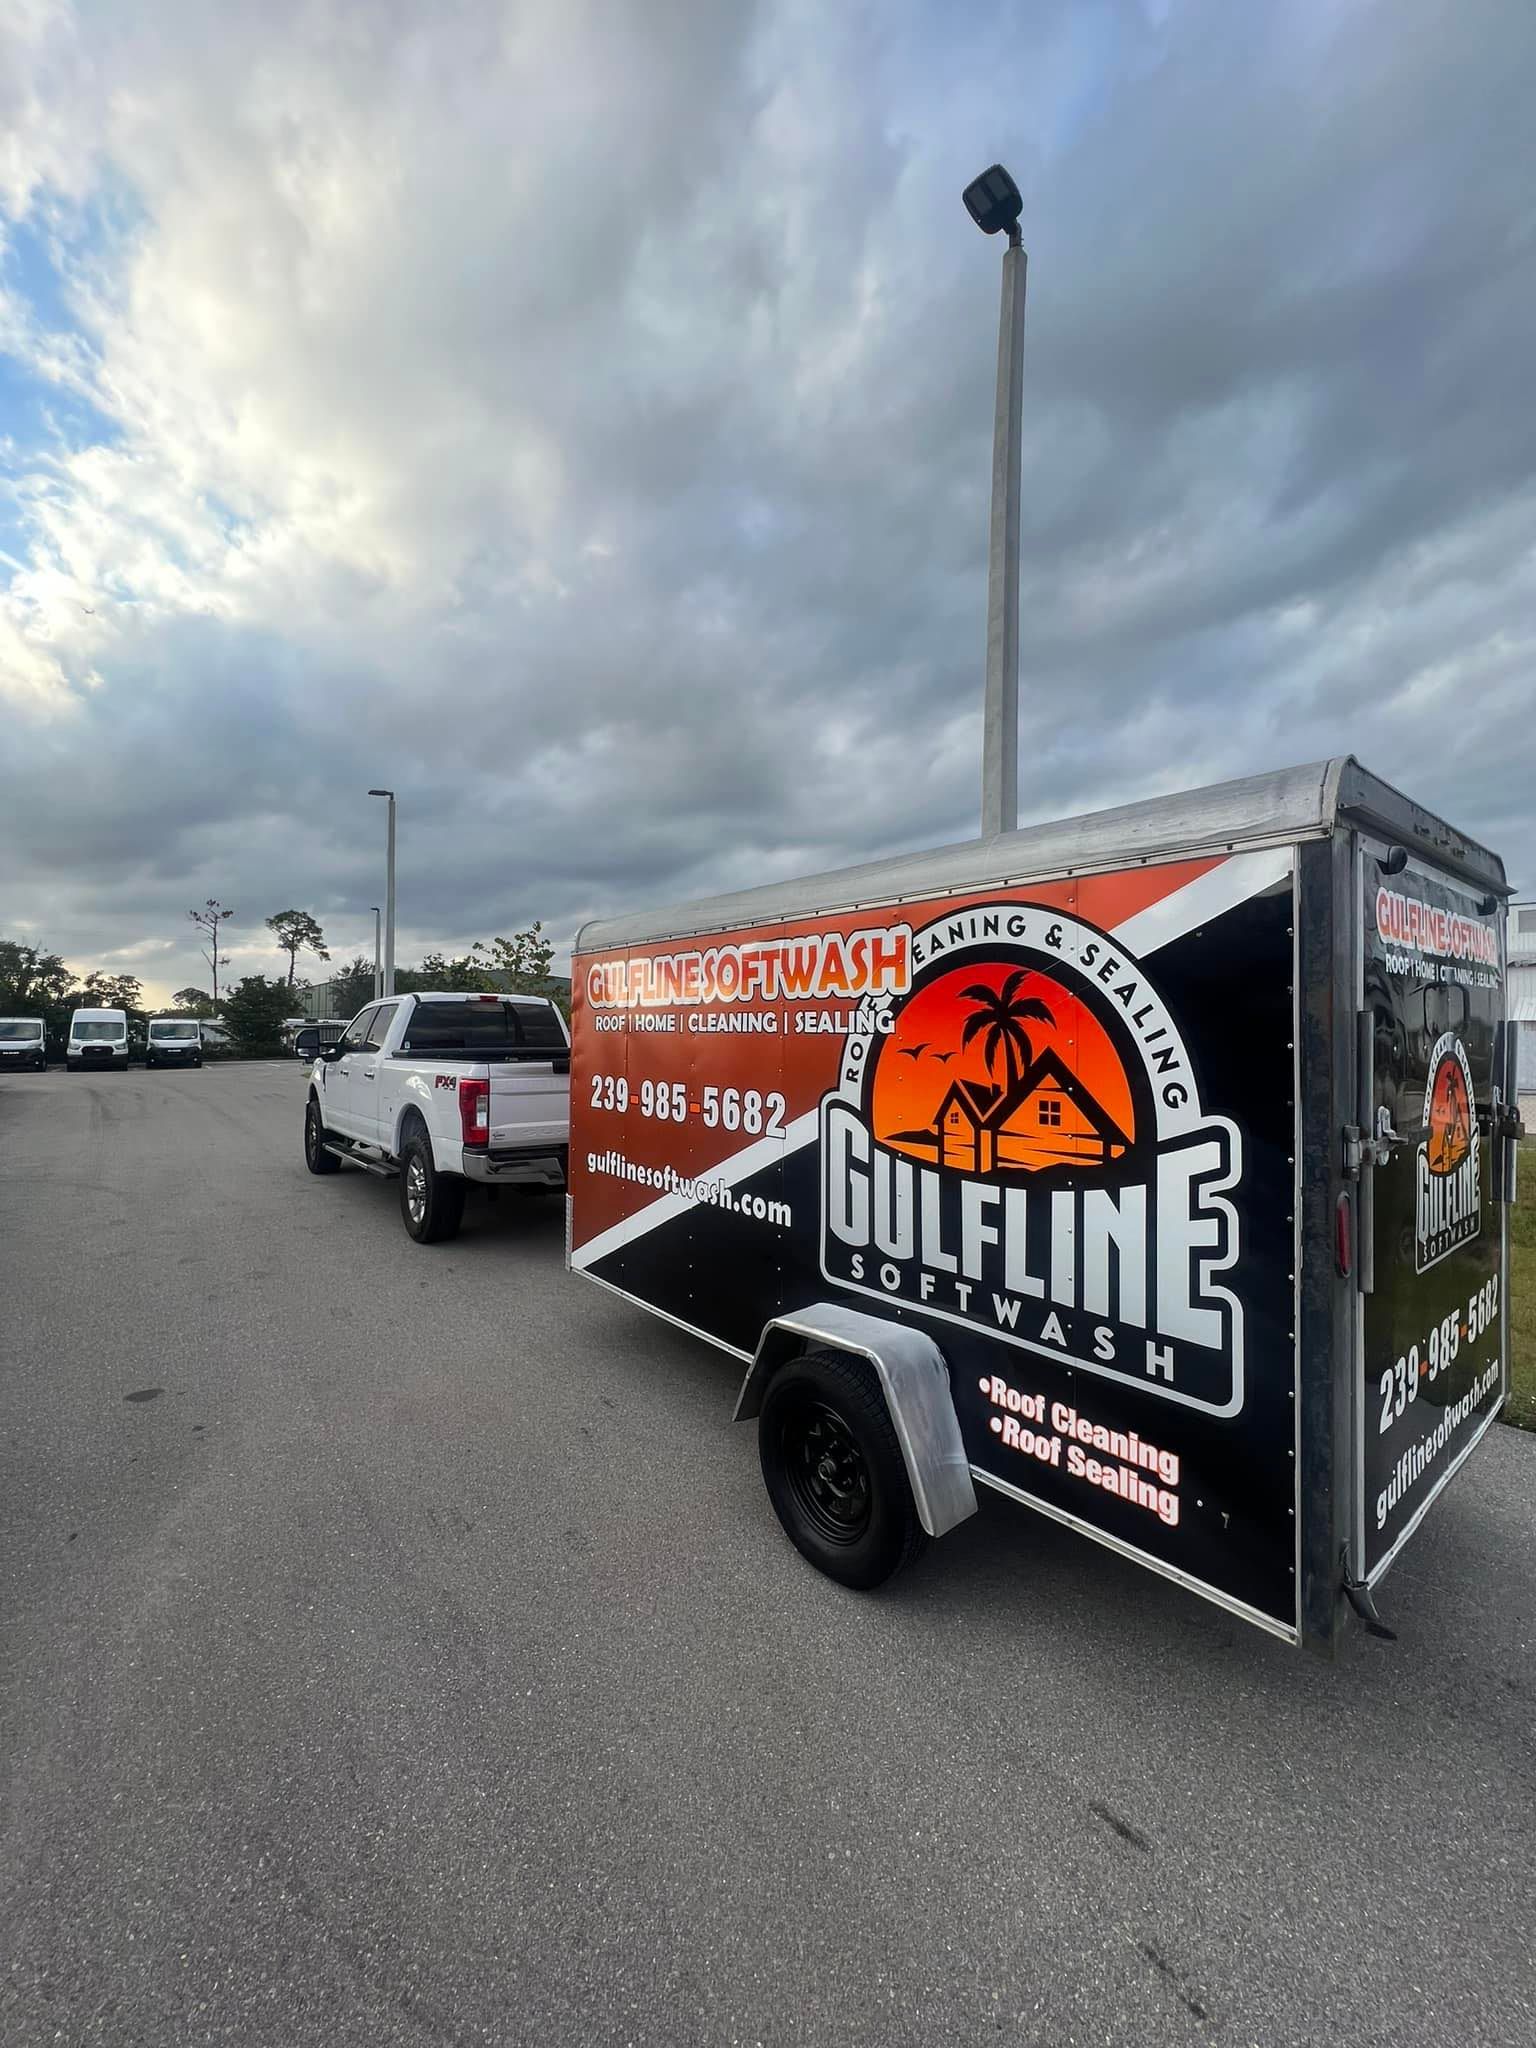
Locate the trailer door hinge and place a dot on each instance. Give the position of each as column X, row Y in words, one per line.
column 1506, row 1127
column 1506, row 1123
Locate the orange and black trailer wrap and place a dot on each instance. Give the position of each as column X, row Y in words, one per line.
column 1052, row 1124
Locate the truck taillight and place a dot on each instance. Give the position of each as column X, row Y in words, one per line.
column 475, row 1111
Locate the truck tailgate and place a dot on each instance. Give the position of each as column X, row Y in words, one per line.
column 530, row 1104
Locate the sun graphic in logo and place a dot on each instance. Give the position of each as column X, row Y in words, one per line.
column 1450, row 1117
column 1001, row 1069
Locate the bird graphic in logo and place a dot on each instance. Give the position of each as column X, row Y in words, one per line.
column 997, row 1069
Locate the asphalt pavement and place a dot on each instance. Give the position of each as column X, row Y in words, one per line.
column 399, row 1648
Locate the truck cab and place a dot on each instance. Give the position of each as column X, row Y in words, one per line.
column 174, row 1042
column 22, row 1044
column 97, row 1038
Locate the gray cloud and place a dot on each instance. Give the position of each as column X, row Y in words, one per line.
column 578, row 418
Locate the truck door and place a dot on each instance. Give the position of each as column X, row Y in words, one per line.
column 1436, row 1130
column 342, row 1076
column 364, row 1082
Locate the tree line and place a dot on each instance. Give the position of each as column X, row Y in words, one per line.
column 36, row 983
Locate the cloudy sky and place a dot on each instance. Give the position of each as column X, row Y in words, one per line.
column 576, row 414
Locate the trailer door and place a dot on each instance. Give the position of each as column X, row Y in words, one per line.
column 1432, row 1265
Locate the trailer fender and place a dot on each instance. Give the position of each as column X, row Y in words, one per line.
column 915, row 1382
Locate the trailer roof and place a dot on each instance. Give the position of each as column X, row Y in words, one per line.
column 1277, row 809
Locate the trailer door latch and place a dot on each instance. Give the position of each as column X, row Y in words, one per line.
column 1361, row 1151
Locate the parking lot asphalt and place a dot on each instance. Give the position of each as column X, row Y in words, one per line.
column 399, row 1648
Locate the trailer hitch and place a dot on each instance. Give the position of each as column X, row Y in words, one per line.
column 1363, row 1601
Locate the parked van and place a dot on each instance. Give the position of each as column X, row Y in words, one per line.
column 22, row 1043
column 174, row 1042
column 97, row 1038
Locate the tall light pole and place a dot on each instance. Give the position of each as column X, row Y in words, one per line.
column 378, row 958
column 994, row 203
column 389, row 897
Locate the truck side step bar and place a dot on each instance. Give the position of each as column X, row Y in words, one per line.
column 370, row 1160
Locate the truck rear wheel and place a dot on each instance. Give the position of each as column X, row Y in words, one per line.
column 431, row 1203
column 316, row 1158
column 834, row 1470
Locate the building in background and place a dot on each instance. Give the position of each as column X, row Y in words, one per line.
column 1522, row 1002
column 320, row 1001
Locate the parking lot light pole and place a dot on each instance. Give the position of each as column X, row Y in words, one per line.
column 994, row 203
column 389, row 897
column 378, row 960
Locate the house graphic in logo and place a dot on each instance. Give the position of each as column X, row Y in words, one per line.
column 1046, row 1118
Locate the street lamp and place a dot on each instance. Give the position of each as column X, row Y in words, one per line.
column 378, row 967
column 994, row 203
column 389, row 897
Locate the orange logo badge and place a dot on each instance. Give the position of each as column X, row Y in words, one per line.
column 1017, row 1144
column 1448, row 1195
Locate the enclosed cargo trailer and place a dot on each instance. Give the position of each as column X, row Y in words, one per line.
column 1149, row 1168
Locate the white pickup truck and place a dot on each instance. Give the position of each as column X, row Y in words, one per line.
column 444, row 1090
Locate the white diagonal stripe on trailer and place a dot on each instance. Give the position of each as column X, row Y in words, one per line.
column 1207, row 896
column 740, row 1166
column 1182, row 910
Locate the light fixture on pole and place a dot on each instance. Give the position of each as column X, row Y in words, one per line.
column 389, row 897
column 378, row 954
column 994, row 203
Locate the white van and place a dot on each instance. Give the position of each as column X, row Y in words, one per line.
column 97, row 1038
column 22, row 1043
column 173, row 1042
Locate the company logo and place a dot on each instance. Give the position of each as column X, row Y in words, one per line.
column 1017, row 1144
column 1430, row 928
column 1448, row 1186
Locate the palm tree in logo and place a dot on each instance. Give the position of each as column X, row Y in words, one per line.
column 1002, row 1017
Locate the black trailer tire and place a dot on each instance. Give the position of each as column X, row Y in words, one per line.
column 431, row 1203
column 834, row 1470
column 316, row 1158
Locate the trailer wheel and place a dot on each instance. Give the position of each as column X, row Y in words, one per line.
column 431, row 1203
column 834, row 1470
column 316, row 1158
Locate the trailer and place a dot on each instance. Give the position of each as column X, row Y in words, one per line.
column 1150, row 1168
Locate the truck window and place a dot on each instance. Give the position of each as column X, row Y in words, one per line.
column 379, row 1021
column 110, row 1032
column 12, row 1028
column 539, row 1024
column 355, row 1037
column 484, row 1030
